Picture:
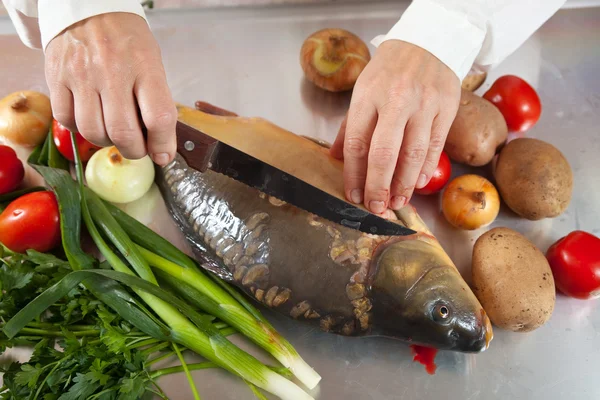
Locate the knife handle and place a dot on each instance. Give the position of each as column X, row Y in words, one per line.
column 196, row 148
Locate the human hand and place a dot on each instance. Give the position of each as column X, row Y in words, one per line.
column 104, row 73
column 402, row 107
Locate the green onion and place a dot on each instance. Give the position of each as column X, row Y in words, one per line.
column 55, row 159
column 198, row 288
column 18, row 193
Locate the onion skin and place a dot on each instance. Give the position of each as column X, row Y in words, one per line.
column 25, row 118
column 332, row 59
column 470, row 202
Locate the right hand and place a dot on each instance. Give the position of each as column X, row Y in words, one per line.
column 106, row 72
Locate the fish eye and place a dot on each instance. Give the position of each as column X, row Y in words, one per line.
column 441, row 313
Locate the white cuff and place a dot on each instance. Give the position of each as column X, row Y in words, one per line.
column 453, row 35
column 54, row 17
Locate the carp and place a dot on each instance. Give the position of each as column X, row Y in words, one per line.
column 310, row 269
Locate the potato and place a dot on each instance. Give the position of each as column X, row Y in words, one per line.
column 512, row 280
column 534, row 178
column 473, row 81
column 477, row 131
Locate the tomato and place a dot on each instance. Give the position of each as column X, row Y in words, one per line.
column 11, row 170
column 440, row 177
column 575, row 263
column 62, row 139
column 517, row 101
column 31, row 222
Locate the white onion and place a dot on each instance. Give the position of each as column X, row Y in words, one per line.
column 117, row 179
column 144, row 208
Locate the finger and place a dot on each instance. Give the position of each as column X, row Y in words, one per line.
column 362, row 118
column 439, row 133
column 159, row 115
column 121, row 122
column 337, row 149
column 89, row 118
column 411, row 159
column 383, row 158
column 62, row 103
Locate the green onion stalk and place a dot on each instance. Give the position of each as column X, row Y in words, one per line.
column 219, row 298
column 202, row 338
column 206, row 294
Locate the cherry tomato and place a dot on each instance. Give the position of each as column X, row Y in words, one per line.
column 440, row 177
column 517, row 101
column 11, row 170
column 31, row 222
column 62, row 139
column 575, row 263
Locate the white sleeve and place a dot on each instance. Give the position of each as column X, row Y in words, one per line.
column 466, row 33
column 39, row 21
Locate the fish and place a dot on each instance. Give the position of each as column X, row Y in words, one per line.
column 310, row 269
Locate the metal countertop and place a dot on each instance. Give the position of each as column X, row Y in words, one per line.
column 247, row 60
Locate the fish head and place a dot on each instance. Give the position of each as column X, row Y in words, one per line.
column 419, row 296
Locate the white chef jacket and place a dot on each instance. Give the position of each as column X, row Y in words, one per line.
column 461, row 33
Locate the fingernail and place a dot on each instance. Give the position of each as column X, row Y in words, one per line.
column 377, row 206
column 160, row 158
column 356, row 196
column 398, row 202
column 421, row 181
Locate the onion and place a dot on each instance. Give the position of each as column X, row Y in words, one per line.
column 333, row 59
column 144, row 208
column 25, row 118
column 470, row 202
column 117, row 179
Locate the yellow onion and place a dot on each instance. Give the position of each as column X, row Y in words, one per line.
column 470, row 202
column 117, row 179
column 25, row 118
column 333, row 59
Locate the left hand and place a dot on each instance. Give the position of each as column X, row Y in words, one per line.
column 402, row 107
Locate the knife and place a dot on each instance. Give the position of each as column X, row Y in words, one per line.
column 202, row 151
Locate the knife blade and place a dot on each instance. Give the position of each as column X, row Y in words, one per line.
column 201, row 152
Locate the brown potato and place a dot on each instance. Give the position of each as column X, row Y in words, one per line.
column 477, row 132
column 473, row 81
column 513, row 280
column 534, row 178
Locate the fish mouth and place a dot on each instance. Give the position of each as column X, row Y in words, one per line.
column 482, row 339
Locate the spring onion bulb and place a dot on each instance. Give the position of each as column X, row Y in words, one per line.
column 144, row 208
column 117, row 179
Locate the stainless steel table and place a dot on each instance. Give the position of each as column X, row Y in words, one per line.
column 246, row 60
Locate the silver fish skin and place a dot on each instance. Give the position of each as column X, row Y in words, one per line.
column 311, row 269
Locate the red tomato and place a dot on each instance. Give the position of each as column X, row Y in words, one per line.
column 11, row 170
column 62, row 139
column 575, row 263
column 31, row 222
column 517, row 101
column 440, row 177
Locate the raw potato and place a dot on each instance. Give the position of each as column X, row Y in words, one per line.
column 477, row 132
column 534, row 179
column 513, row 280
column 473, row 81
